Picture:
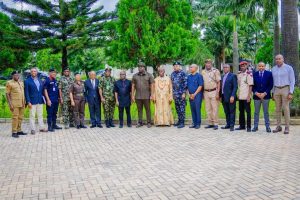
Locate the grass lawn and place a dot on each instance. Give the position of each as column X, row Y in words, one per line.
column 5, row 112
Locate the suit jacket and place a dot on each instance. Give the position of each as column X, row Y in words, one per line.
column 92, row 94
column 264, row 84
column 123, row 89
column 230, row 87
column 33, row 95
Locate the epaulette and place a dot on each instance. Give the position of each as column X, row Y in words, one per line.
column 250, row 73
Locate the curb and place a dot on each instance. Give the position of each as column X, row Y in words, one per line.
column 294, row 121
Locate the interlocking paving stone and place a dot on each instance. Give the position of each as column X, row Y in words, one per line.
column 155, row 163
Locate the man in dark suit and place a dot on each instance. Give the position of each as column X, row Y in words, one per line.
column 122, row 94
column 93, row 98
column 34, row 99
column 228, row 90
column 263, row 84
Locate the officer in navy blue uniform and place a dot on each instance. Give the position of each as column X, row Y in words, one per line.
column 195, row 88
column 179, row 84
column 51, row 92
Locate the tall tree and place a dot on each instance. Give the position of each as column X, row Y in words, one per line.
column 13, row 48
column 290, row 34
column 234, row 8
column 270, row 14
column 156, row 32
column 87, row 60
column 218, row 37
column 64, row 26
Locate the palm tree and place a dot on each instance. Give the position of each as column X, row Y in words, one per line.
column 271, row 12
column 218, row 37
column 234, row 8
column 257, row 13
column 290, row 35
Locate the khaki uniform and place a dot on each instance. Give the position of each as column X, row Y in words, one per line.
column 245, row 80
column 211, row 79
column 77, row 89
column 16, row 91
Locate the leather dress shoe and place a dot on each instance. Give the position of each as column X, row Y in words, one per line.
column 14, row 135
column 286, row 130
column 57, row 127
column 239, row 128
column 277, row 130
column 209, row 126
column 21, row 133
column 225, row 127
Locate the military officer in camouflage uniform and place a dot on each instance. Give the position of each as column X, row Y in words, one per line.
column 64, row 86
column 106, row 89
column 179, row 83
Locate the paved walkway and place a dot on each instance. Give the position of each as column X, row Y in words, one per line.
column 156, row 163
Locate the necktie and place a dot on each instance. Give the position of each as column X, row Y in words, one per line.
column 224, row 79
column 93, row 81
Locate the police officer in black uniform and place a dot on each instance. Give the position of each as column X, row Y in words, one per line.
column 51, row 93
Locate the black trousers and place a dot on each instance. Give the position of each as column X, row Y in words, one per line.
column 121, row 114
column 244, row 106
column 52, row 113
column 229, row 109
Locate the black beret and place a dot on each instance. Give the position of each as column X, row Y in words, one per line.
column 52, row 70
column 66, row 68
column 14, row 72
column 76, row 73
column 176, row 63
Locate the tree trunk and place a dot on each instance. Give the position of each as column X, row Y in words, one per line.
column 217, row 61
column 86, row 73
column 235, row 52
column 290, row 35
column 64, row 58
column 223, row 56
column 276, row 38
column 235, row 48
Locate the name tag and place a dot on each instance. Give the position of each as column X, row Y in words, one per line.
column 53, row 89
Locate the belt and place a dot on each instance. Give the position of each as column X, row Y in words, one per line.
column 280, row 87
column 210, row 90
column 79, row 95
